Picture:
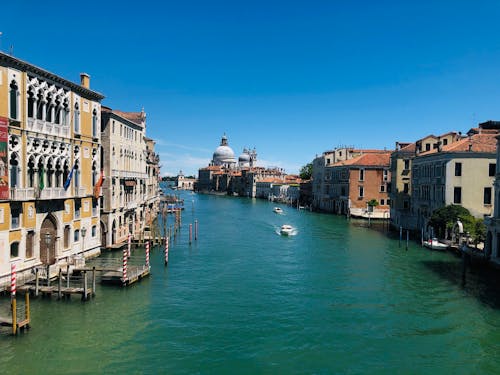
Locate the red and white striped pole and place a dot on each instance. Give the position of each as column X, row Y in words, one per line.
column 129, row 244
column 166, row 251
column 124, row 270
column 147, row 254
column 13, row 280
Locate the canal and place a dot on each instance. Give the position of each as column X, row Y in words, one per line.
column 337, row 297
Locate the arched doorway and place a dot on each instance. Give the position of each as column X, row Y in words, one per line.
column 48, row 254
column 103, row 235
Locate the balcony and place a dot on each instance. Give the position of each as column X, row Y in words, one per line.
column 131, row 205
column 17, row 194
column 128, row 174
column 53, row 193
column 80, row 191
column 47, row 127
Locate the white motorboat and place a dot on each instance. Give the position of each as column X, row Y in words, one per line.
column 434, row 244
column 278, row 210
column 286, row 230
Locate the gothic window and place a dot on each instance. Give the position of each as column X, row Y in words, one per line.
column 76, row 176
column 76, row 120
column 57, row 118
column 14, row 170
column 65, row 112
column 65, row 172
column 49, row 106
column 50, row 173
column 94, row 123
column 94, row 174
column 14, row 103
column 31, row 103
column 39, row 109
column 31, row 172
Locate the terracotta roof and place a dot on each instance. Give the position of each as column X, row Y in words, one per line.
column 212, row 168
column 410, row 148
column 380, row 159
column 135, row 117
column 476, row 143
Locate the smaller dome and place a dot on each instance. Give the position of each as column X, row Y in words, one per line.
column 244, row 157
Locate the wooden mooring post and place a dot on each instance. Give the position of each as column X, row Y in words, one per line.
column 59, row 289
column 36, row 282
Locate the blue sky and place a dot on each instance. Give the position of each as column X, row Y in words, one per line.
column 291, row 78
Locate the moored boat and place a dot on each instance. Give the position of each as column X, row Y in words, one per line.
column 278, row 210
column 434, row 244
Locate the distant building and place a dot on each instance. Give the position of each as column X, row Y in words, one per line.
column 182, row 182
column 359, row 180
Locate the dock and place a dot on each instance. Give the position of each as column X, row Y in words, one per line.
column 66, row 292
column 134, row 274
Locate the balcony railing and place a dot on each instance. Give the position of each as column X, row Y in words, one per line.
column 17, row 194
column 128, row 174
column 53, row 193
column 47, row 127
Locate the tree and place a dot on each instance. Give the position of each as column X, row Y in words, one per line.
column 445, row 217
column 306, row 171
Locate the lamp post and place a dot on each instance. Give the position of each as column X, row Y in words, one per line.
column 84, row 232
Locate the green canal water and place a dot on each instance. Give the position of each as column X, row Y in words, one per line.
column 337, row 297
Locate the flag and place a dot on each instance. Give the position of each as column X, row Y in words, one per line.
column 68, row 180
column 41, row 178
column 97, row 187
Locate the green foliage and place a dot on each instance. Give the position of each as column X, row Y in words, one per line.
column 373, row 203
column 445, row 218
column 306, row 171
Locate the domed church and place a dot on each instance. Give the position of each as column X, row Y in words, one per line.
column 224, row 155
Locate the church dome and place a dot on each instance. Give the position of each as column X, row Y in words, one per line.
column 244, row 157
column 223, row 152
column 224, row 155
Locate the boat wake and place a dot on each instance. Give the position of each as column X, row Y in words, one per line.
column 290, row 232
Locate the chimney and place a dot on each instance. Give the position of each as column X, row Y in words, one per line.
column 439, row 145
column 85, row 80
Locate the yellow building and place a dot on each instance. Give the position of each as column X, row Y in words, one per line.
column 49, row 165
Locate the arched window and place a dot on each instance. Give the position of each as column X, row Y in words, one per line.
column 94, row 174
column 14, row 170
column 14, row 103
column 58, row 108
column 39, row 109
column 14, row 249
column 94, row 123
column 76, row 119
column 31, row 103
column 65, row 111
column 77, row 235
column 76, row 176
column 31, row 172
column 48, row 107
